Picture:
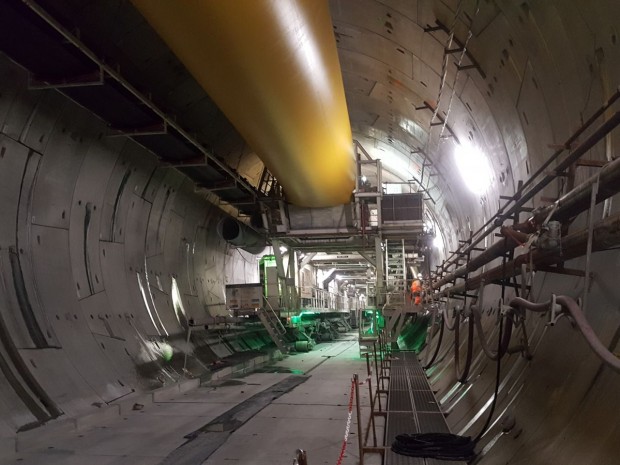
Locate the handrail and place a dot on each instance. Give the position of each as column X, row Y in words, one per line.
column 273, row 318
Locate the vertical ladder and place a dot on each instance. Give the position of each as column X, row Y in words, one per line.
column 273, row 325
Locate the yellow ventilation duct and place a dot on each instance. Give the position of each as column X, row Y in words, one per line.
column 272, row 68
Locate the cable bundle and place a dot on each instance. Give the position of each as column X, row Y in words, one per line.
column 441, row 446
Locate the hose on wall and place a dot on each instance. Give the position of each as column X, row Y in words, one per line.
column 568, row 307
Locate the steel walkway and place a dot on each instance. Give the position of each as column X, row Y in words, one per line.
column 412, row 408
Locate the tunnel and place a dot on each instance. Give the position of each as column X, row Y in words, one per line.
column 212, row 214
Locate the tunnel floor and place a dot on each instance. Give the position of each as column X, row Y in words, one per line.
column 310, row 416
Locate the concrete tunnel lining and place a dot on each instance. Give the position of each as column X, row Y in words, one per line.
column 96, row 225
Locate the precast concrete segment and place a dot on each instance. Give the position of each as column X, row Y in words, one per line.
column 94, row 240
column 273, row 69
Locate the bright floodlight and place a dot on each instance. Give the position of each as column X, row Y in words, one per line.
column 437, row 242
column 474, row 167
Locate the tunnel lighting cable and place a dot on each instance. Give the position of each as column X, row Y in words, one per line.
column 449, row 326
column 497, row 381
column 462, row 375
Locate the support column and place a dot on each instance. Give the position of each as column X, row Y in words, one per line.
column 281, row 273
column 380, row 274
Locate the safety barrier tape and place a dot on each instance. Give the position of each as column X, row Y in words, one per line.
column 348, row 427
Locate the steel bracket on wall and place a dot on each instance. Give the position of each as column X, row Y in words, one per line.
column 460, row 47
column 151, row 130
column 36, row 82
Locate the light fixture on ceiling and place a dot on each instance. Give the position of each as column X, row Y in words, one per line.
column 283, row 249
column 474, row 167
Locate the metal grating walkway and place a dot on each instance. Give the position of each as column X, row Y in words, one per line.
column 412, row 408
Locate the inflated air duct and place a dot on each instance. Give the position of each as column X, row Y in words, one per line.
column 272, row 67
column 240, row 235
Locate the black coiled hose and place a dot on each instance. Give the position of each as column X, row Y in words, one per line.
column 440, row 446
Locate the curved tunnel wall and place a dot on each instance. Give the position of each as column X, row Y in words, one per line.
column 562, row 400
column 93, row 233
column 557, row 407
column 549, row 65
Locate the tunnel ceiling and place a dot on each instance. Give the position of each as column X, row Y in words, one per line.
column 420, row 76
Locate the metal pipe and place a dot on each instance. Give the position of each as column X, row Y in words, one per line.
column 567, row 145
column 606, row 234
column 374, row 349
column 566, row 207
column 484, row 230
column 272, row 67
column 241, row 235
column 513, row 239
column 586, row 285
column 577, row 200
column 586, row 145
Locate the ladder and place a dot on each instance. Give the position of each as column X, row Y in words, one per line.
column 273, row 325
column 395, row 271
column 395, row 308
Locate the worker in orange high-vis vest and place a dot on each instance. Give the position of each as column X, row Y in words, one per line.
column 416, row 291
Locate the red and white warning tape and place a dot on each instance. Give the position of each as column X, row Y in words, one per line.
column 348, row 427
